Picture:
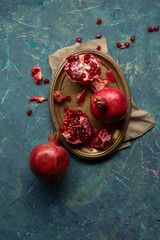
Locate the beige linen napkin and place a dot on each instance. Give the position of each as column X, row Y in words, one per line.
column 140, row 121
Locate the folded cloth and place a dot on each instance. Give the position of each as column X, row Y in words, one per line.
column 140, row 121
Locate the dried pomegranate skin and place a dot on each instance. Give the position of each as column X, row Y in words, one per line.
column 76, row 127
column 82, row 68
column 109, row 105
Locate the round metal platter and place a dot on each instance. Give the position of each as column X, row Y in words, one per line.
column 61, row 82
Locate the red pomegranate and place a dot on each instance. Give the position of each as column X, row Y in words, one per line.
column 82, row 68
column 48, row 160
column 109, row 105
column 76, row 127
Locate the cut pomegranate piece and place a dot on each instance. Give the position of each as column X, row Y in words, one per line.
column 132, row 38
column 98, row 84
column 98, row 35
column 38, row 99
column 81, row 96
column 101, row 140
column 79, row 40
column 37, row 74
column 98, row 47
column 60, row 98
column 111, row 76
column 82, row 68
column 119, row 45
column 156, row 28
column 76, row 127
column 29, row 112
column 150, row 29
column 99, row 21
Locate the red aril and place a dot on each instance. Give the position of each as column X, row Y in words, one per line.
column 48, row 160
column 99, row 47
column 46, row 81
column 109, row 105
column 66, row 108
column 119, row 45
column 79, row 40
column 29, row 112
column 156, row 28
column 99, row 21
column 82, row 68
column 150, row 29
column 127, row 45
column 98, row 35
column 132, row 38
column 37, row 74
column 76, row 127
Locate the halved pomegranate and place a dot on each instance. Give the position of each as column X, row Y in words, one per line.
column 82, row 68
column 76, row 127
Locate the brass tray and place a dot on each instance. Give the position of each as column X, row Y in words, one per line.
column 61, row 82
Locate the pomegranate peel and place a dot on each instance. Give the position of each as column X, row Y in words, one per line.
column 111, row 76
column 76, row 127
column 81, row 96
column 48, row 160
column 38, row 99
column 98, row 84
column 60, row 98
column 37, row 74
column 109, row 105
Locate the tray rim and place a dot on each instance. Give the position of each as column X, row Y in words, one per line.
column 113, row 148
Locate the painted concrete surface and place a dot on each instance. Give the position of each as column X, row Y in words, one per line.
column 117, row 198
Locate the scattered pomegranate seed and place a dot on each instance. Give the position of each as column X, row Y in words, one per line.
column 29, row 112
column 79, row 40
column 99, row 21
column 150, row 29
column 119, row 45
column 98, row 47
column 156, row 28
column 132, row 38
column 127, row 45
column 46, row 81
column 98, row 36
column 66, row 108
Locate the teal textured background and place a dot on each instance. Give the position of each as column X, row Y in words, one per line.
column 118, row 198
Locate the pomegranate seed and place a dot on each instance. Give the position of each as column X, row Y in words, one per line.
column 98, row 36
column 79, row 40
column 46, row 81
column 66, row 108
column 119, row 45
column 132, row 38
column 99, row 21
column 156, row 28
column 150, row 29
column 127, row 45
column 69, row 98
column 29, row 112
column 98, row 47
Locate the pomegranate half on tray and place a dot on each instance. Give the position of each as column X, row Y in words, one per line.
column 75, row 123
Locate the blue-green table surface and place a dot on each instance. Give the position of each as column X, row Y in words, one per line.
column 118, row 198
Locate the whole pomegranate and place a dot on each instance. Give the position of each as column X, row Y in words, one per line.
column 109, row 105
column 76, row 127
column 82, row 68
column 48, row 160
